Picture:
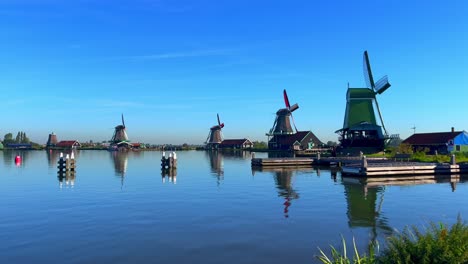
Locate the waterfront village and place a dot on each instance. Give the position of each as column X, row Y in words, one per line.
column 363, row 132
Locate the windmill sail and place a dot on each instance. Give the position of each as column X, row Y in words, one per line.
column 368, row 72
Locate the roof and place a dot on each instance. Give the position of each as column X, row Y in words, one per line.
column 67, row 143
column 299, row 137
column 229, row 142
column 438, row 138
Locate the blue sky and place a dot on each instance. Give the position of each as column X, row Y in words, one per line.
column 73, row 67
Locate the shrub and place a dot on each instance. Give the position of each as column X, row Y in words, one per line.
column 439, row 244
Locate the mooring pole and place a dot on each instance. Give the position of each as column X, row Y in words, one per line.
column 364, row 162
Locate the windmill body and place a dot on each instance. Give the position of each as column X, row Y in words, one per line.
column 119, row 140
column 215, row 136
column 282, row 129
column 361, row 131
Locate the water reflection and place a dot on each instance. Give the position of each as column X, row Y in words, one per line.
column 365, row 198
column 15, row 157
column 120, row 160
column 284, row 180
column 364, row 208
column 216, row 164
column 66, row 178
column 52, row 157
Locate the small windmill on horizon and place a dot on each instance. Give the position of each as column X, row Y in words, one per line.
column 119, row 140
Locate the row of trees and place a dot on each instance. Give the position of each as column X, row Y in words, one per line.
column 21, row 138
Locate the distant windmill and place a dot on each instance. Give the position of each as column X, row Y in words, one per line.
column 282, row 124
column 414, row 129
column 215, row 137
column 120, row 137
column 360, row 129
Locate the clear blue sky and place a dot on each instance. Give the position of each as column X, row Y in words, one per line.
column 73, row 67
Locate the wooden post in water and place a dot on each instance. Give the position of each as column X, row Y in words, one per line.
column 66, row 169
column 364, row 162
column 169, row 166
column 453, row 160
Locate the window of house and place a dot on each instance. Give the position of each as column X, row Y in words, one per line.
column 457, row 147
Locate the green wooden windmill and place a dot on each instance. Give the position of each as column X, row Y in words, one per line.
column 360, row 128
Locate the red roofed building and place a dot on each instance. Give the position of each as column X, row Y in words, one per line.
column 298, row 141
column 236, row 144
column 442, row 142
column 68, row 144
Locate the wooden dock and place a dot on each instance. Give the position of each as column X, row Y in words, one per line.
column 402, row 168
column 366, row 167
column 282, row 162
column 405, row 180
column 309, row 162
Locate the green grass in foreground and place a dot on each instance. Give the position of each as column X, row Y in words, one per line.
column 437, row 244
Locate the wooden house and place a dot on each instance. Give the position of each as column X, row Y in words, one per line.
column 68, row 144
column 440, row 142
column 236, row 144
column 301, row 140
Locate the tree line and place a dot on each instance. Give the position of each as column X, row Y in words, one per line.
column 21, row 138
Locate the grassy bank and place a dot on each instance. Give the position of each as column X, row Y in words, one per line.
column 438, row 243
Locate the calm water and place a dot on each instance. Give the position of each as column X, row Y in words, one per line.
column 118, row 208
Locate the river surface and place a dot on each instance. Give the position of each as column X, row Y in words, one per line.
column 118, row 208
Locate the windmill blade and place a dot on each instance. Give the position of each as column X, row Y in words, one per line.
column 294, row 108
column 208, row 138
column 221, row 125
column 368, row 72
column 380, row 115
column 382, row 85
column 123, row 121
column 294, row 123
column 286, row 99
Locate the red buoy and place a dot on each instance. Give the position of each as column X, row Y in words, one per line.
column 18, row 160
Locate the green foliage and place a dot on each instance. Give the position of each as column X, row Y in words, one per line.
column 8, row 139
column 439, row 244
column 404, row 149
column 260, row 145
column 338, row 257
column 419, row 156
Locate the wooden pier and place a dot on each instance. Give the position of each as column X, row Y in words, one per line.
column 366, row 167
column 282, row 162
column 406, row 180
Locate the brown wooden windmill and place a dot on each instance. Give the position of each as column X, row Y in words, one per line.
column 215, row 136
column 282, row 124
column 120, row 138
